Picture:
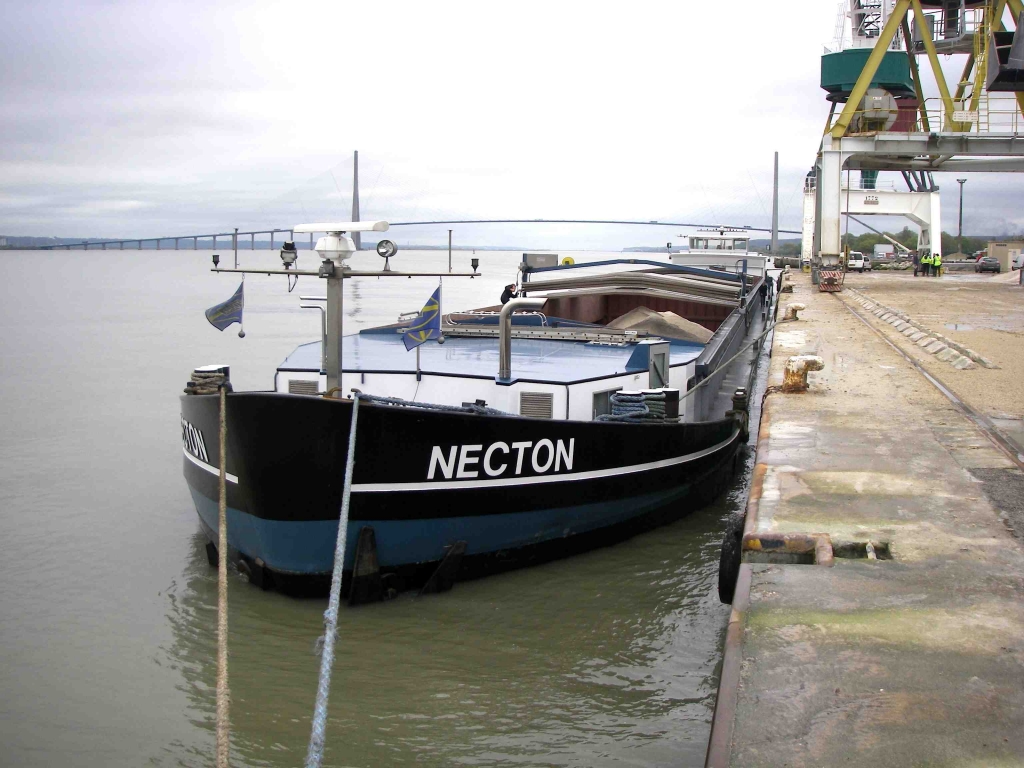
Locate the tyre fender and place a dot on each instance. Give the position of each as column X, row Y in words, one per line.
column 730, row 558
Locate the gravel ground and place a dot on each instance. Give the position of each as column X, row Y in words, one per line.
column 984, row 312
column 1005, row 489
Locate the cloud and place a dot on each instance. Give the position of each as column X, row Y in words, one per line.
column 130, row 119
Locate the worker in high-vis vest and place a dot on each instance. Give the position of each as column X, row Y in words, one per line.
column 937, row 264
column 926, row 263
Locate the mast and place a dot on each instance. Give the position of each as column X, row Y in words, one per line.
column 335, row 248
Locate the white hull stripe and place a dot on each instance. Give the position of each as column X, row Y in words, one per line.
column 500, row 482
column 209, row 467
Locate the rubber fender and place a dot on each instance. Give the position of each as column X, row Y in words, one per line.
column 730, row 558
column 568, row 260
column 212, row 557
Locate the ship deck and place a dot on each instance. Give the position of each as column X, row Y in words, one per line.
column 549, row 360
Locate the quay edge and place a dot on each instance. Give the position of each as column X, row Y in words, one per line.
column 915, row 659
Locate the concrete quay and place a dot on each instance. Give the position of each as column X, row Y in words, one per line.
column 909, row 651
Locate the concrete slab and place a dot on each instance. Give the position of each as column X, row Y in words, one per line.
column 914, row 660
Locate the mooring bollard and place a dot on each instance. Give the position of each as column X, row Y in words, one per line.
column 791, row 311
column 741, row 411
column 797, row 367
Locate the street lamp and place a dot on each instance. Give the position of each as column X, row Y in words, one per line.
column 960, row 229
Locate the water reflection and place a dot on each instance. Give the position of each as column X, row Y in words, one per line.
column 354, row 299
column 593, row 659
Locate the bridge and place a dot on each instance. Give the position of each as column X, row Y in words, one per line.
column 178, row 239
column 234, row 237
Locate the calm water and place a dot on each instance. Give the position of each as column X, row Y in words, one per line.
column 108, row 639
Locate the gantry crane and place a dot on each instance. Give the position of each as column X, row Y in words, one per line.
column 888, row 119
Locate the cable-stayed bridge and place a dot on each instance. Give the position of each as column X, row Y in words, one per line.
column 236, row 238
column 235, row 235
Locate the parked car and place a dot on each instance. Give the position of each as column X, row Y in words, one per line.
column 855, row 261
column 867, row 263
column 987, row 264
column 1018, row 263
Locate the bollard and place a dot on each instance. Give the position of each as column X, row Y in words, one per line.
column 797, row 368
column 739, row 399
column 741, row 411
column 791, row 311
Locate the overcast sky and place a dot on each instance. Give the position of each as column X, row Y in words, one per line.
column 145, row 119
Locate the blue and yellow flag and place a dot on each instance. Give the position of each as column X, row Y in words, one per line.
column 427, row 324
column 223, row 315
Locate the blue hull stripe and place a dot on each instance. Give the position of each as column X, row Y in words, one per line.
column 307, row 547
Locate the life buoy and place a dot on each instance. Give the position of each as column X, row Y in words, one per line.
column 567, row 261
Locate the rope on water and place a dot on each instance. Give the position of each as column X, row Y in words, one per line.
column 223, row 692
column 318, row 735
column 476, row 408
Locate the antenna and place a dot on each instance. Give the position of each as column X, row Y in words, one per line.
column 355, row 197
column 840, row 32
column 775, row 208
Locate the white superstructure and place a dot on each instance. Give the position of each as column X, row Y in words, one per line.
column 724, row 248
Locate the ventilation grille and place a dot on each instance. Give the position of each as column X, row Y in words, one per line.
column 539, row 405
column 302, row 387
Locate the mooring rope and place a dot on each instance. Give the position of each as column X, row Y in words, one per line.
column 637, row 407
column 206, row 382
column 742, row 349
column 318, row 736
column 223, row 692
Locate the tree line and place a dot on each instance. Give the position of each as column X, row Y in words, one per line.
column 866, row 243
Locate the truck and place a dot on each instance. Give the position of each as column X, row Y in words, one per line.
column 884, row 251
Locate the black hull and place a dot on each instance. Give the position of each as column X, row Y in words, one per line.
column 426, row 479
